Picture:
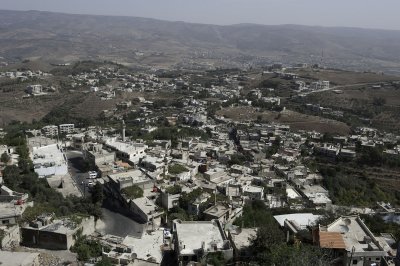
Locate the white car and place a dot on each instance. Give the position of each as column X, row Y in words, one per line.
column 92, row 174
column 167, row 233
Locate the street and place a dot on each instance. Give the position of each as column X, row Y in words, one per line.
column 77, row 171
column 116, row 224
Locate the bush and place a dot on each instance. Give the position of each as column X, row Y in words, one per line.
column 177, row 169
column 5, row 158
column 86, row 249
column 175, row 189
column 133, row 192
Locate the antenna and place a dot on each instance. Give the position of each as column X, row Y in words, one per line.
column 215, row 196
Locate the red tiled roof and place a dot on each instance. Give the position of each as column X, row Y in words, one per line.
column 331, row 240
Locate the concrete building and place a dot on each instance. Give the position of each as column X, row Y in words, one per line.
column 347, row 154
column 120, row 255
column 7, row 195
column 146, row 210
column 222, row 212
column 240, row 169
column 319, row 85
column 34, row 89
column 95, row 155
column 67, row 128
column 10, row 213
column 254, row 192
column 153, row 164
column 168, row 200
column 50, row 131
column 150, row 248
column 47, row 233
column 122, row 180
column 49, row 160
column 353, row 242
column 295, row 222
column 78, row 141
column 327, row 150
column 241, row 242
column 317, row 196
column 128, row 152
column 194, row 240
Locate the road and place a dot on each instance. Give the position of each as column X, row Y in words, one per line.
column 341, row 87
column 111, row 222
column 116, row 224
column 76, row 169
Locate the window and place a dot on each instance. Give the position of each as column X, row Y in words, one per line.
column 354, row 261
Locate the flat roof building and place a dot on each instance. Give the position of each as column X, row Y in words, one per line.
column 57, row 234
column 193, row 240
column 130, row 178
column 50, row 131
column 49, row 160
column 130, row 152
column 66, row 128
column 146, row 210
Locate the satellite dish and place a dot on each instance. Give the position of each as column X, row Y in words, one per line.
column 344, row 228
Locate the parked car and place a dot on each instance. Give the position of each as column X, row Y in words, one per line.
column 92, row 174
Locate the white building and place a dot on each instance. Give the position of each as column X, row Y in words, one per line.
column 34, row 89
column 192, row 240
column 50, row 131
column 49, row 160
column 254, row 192
column 122, row 180
column 356, row 242
column 146, row 210
column 130, row 152
column 67, row 128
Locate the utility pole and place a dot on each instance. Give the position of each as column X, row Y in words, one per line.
column 351, row 256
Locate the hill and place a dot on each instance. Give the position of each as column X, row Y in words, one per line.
column 148, row 42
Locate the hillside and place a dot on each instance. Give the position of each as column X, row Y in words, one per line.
column 63, row 37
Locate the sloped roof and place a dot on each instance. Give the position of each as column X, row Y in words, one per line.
column 331, row 240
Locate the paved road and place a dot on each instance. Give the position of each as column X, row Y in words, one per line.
column 116, row 224
column 342, row 86
column 76, row 168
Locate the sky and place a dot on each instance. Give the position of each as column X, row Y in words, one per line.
column 380, row 14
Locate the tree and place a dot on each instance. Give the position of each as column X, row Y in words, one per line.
column 86, row 249
column 215, row 259
column 173, row 190
column 11, row 177
column 177, row 169
column 5, row 158
column 302, row 255
column 266, row 239
column 104, row 262
column 188, row 198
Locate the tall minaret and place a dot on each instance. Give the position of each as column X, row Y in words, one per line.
column 123, row 131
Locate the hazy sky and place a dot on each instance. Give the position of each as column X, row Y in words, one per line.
column 351, row 13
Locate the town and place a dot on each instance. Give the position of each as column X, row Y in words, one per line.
column 194, row 168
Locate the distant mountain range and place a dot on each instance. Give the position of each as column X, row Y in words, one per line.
column 150, row 42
